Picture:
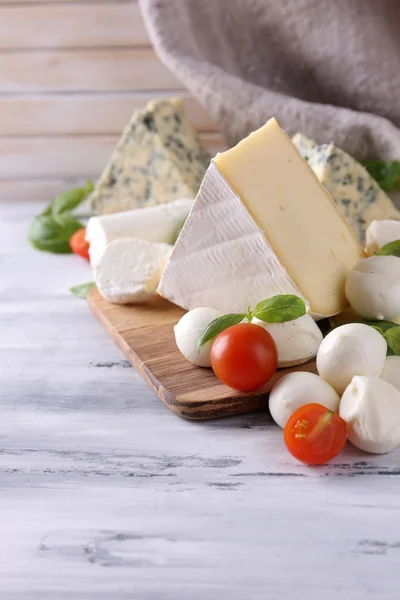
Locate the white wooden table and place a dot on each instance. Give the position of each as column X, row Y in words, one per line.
column 104, row 494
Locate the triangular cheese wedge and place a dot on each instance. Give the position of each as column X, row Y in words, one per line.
column 261, row 225
column 158, row 159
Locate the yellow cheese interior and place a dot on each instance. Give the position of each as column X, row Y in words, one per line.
column 298, row 216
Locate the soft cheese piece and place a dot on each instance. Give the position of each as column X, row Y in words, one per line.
column 261, row 225
column 371, row 409
column 153, row 224
column 222, row 259
column 297, row 341
column 380, row 233
column 357, row 194
column 158, row 159
column 130, row 270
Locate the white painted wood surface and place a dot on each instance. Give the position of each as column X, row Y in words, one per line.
column 71, row 74
column 105, row 494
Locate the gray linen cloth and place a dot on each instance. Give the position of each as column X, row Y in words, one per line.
column 327, row 68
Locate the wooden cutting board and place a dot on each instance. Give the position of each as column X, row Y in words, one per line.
column 145, row 335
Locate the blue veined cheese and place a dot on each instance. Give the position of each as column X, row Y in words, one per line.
column 358, row 196
column 304, row 145
column 158, row 159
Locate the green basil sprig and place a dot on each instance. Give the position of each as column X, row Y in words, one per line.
column 52, row 229
column 218, row 325
column 52, row 233
column 279, row 309
column 82, row 290
column 390, row 249
column 385, row 173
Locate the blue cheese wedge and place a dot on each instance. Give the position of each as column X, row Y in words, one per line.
column 357, row 194
column 158, row 159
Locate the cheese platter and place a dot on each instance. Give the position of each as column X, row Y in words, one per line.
column 267, row 276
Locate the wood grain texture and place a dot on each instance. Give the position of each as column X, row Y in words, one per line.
column 67, row 157
column 96, row 113
column 145, row 335
column 83, row 70
column 105, row 494
column 72, row 26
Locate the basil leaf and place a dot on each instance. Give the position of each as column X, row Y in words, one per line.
column 382, row 325
column 82, row 290
column 385, row 173
column 392, row 336
column 52, row 233
column 68, row 201
column 278, row 309
column 391, row 249
column 216, row 326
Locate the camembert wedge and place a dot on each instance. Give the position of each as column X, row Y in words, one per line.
column 261, row 225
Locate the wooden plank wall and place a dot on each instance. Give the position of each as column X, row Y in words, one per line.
column 71, row 73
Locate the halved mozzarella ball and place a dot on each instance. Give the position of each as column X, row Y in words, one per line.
column 352, row 349
column 187, row 332
column 297, row 389
column 371, row 409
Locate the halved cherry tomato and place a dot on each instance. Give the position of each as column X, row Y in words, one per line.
column 78, row 243
column 314, row 434
column 244, row 356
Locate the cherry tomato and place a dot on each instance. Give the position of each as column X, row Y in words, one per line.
column 78, row 243
column 244, row 357
column 314, row 434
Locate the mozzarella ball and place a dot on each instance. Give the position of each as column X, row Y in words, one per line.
column 373, row 287
column 352, row 349
column 188, row 330
column 380, row 233
column 371, row 409
column 391, row 371
column 297, row 341
column 297, row 389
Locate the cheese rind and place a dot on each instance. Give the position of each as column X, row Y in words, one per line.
column 158, row 159
column 153, row 224
column 130, row 270
column 358, row 196
column 222, row 259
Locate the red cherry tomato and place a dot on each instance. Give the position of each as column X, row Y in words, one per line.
column 314, row 434
column 78, row 243
column 244, row 357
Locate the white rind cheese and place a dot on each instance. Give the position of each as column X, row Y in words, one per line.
column 153, row 224
column 130, row 270
column 262, row 225
column 358, row 196
column 158, row 159
column 222, row 259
